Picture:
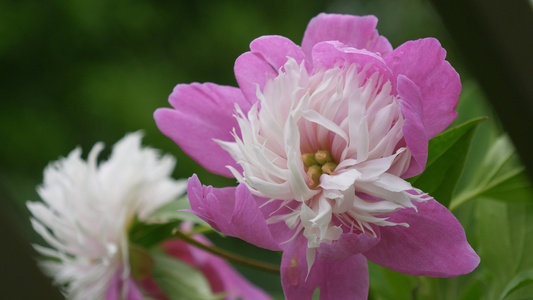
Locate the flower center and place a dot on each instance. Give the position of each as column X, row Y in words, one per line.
column 317, row 164
column 352, row 183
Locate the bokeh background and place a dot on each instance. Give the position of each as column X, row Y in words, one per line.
column 77, row 72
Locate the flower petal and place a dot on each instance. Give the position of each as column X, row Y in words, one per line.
column 413, row 130
column 251, row 72
column 116, row 285
column 113, row 291
column 434, row 244
column 221, row 276
column 347, row 245
column 150, row 288
column 232, row 211
column 355, row 31
column 203, row 112
column 268, row 54
column 296, row 284
column 423, row 62
column 230, row 282
column 275, row 50
column 332, row 53
column 344, row 279
column 133, row 291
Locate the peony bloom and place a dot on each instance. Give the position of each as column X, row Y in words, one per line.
column 321, row 139
column 86, row 214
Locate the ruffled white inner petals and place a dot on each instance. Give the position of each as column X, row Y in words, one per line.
column 87, row 209
column 351, row 114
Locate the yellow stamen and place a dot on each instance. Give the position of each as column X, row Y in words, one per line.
column 309, row 159
column 314, row 172
column 317, row 164
column 329, row 168
column 323, row 156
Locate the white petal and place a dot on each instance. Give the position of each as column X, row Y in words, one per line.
column 87, row 207
column 341, row 181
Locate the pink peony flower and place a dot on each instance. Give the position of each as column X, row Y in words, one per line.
column 320, row 138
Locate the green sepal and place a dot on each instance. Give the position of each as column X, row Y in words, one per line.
column 149, row 235
column 141, row 262
column 162, row 223
column 179, row 280
column 173, row 211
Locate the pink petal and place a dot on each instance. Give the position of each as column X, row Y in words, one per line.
column 268, row 54
column 354, row 31
column 275, row 49
column 221, row 276
column 252, row 71
column 331, row 54
column 434, row 244
column 230, row 282
column 347, row 245
column 232, row 211
column 345, row 279
column 423, row 62
column 115, row 288
column 203, row 112
column 151, row 289
column 413, row 130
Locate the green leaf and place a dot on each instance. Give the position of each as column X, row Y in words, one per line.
column 505, row 232
column 390, row 285
column 173, row 211
column 178, row 280
column 149, row 235
column 523, row 277
column 473, row 290
column 162, row 223
column 500, row 176
column 446, row 158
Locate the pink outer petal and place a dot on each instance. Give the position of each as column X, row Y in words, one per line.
column 115, row 288
column 354, row 31
column 221, row 276
column 422, row 61
column 345, row 279
column 434, row 244
column 331, row 54
column 232, row 211
column 347, row 245
column 151, row 289
column 268, row 54
column 275, row 49
column 203, row 112
column 413, row 130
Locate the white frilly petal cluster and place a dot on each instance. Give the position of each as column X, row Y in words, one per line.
column 345, row 110
column 88, row 207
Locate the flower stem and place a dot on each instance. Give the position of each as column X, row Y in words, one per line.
column 227, row 255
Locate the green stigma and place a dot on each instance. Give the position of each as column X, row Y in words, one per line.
column 317, row 164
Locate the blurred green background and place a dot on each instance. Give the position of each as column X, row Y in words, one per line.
column 77, row 72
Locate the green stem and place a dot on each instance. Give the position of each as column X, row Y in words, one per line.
column 227, row 255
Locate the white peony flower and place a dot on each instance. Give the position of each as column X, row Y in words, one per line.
column 88, row 207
